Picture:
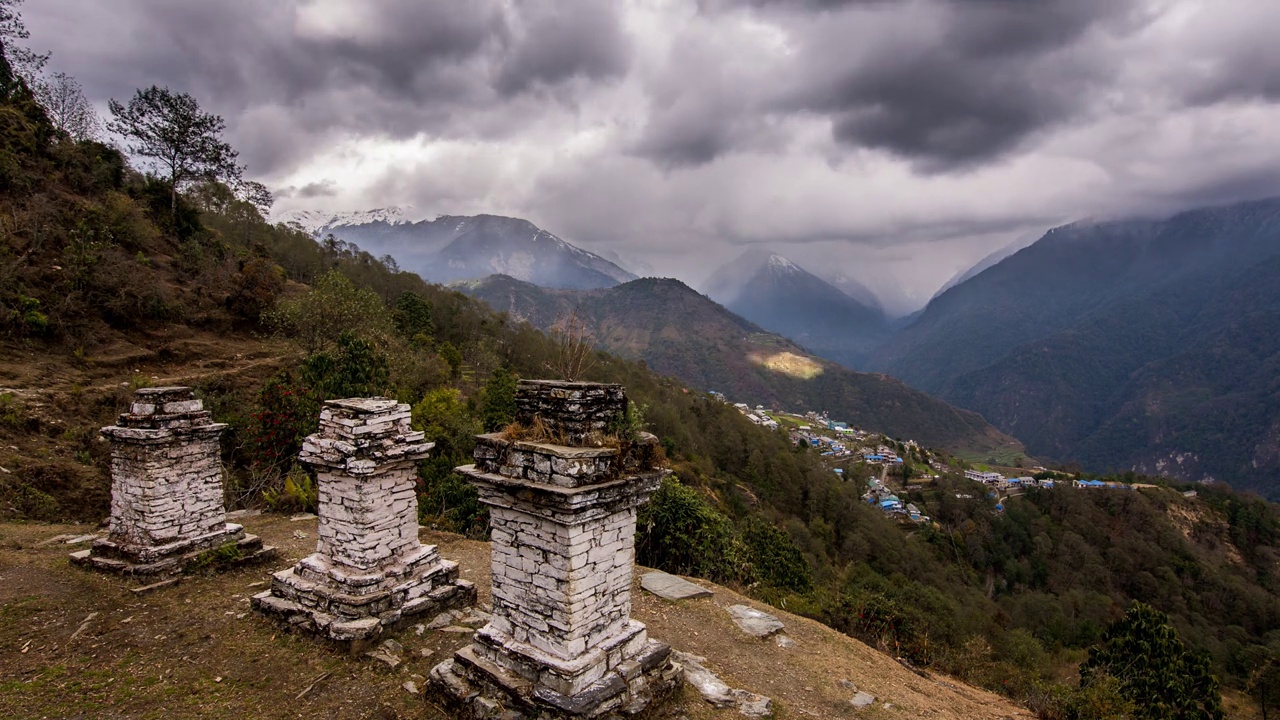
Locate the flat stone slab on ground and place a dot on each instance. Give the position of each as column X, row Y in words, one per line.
column 755, row 622
column 670, row 587
column 715, row 691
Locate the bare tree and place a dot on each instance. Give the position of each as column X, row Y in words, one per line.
column 26, row 63
column 257, row 195
column 65, row 104
column 575, row 348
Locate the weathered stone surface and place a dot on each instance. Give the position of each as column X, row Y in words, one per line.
column 755, row 622
column 716, row 692
column 862, row 699
column 560, row 641
column 671, row 587
column 369, row 570
column 166, row 489
column 576, row 411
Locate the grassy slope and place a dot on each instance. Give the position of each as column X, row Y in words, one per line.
column 197, row 651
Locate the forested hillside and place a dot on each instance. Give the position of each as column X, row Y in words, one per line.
column 680, row 333
column 112, row 276
column 1145, row 345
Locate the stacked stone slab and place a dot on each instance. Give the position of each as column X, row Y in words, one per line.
column 166, row 489
column 578, row 412
column 369, row 571
column 561, row 642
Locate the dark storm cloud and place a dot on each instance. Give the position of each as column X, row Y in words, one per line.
column 320, row 189
column 944, row 83
column 561, row 39
column 679, row 130
column 287, row 76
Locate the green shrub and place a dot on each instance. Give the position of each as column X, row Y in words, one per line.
column 774, row 559
column 33, row 504
column 446, row 501
column 288, row 412
column 354, row 369
column 298, row 493
column 1153, row 669
column 498, row 400
column 680, row 532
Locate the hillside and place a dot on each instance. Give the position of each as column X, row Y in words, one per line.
column 1142, row 345
column 81, row 644
column 784, row 298
column 680, row 333
column 451, row 248
column 112, row 282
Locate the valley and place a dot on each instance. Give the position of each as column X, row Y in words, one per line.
column 1046, row 476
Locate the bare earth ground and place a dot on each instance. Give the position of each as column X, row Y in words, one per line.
column 77, row 644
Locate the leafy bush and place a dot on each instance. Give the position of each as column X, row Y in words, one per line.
column 1154, row 671
column 448, row 502
column 332, row 307
column 774, row 559
column 288, row 412
column 498, row 400
column 31, row 503
column 680, row 532
column 298, row 493
column 354, row 369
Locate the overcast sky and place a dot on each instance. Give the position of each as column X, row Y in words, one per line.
column 899, row 141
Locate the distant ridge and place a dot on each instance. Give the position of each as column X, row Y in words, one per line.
column 779, row 295
column 1146, row 345
column 683, row 334
column 451, row 248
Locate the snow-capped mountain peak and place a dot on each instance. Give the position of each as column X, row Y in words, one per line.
column 450, row 248
column 777, row 262
column 318, row 221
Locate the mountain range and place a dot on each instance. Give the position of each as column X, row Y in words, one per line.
column 452, row 248
column 1148, row 345
column 782, row 297
column 678, row 332
column 1142, row 345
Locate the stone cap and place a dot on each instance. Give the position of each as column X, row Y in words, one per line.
column 163, row 408
column 566, row 505
column 572, row 410
column 359, row 435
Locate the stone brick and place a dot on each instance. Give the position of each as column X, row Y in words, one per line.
column 166, row 488
column 369, row 570
column 563, row 523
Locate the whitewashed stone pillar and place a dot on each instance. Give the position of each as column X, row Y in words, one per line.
column 561, row 642
column 166, row 488
column 369, row 570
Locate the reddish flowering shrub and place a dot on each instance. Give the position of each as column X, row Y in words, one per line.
column 287, row 413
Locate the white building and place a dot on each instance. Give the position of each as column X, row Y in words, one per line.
column 989, row 478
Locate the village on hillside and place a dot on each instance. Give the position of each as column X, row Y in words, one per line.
column 890, row 467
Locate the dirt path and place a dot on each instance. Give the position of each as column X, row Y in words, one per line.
column 75, row 644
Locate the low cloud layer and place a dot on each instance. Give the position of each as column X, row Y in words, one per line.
column 897, row 141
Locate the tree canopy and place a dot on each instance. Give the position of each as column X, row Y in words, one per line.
column 172, row 132
column 1155, row 671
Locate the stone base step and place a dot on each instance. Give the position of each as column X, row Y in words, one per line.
column 248, row 550
column 306, row 610
column 473, row 687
